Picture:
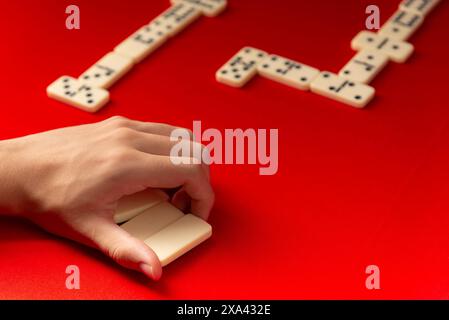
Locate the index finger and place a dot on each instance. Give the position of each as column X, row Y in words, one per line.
column 156, row 171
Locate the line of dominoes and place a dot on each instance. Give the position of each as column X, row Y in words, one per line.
column 350, row 85
column 89, row 92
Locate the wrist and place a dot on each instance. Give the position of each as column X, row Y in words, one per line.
column 13, row 198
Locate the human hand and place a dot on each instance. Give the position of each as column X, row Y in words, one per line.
column 69, row 180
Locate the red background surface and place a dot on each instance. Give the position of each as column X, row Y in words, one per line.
column 354, row 188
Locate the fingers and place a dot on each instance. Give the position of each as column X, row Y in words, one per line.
column 122, row 247
column 181, row 200
column 156, row 138
column 156, row 165
column 147, row 127
column 163, row 145
column 154, row 171
column 152, row 143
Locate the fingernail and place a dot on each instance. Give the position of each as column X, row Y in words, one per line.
column 147, row 270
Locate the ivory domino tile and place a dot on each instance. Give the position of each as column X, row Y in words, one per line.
column 422, row 7
column 179, row 237
column 346, row 91
column 132, row 205
column 142, row 43
column 108, row 70
column 398, row 51
column 241, row 68
column 402, row 25
column 176, row 18
column 364, row 66
column 77, row 94
column 210, row 8
column 152, row 220
column 288, row 72
column 167, row 231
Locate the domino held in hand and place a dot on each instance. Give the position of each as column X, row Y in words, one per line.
column 168, row 231
column 152, row 220
column 130, row 206
column 179, row 238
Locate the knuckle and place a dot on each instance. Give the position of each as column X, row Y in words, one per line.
column 123, row 134
column 121, row 253
column 116, row 253
column 118, row 121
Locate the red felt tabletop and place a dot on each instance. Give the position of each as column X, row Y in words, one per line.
column 354, row 187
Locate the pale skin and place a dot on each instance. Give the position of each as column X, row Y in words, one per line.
column 68, row 181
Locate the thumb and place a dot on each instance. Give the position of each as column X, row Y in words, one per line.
column 126, row 250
